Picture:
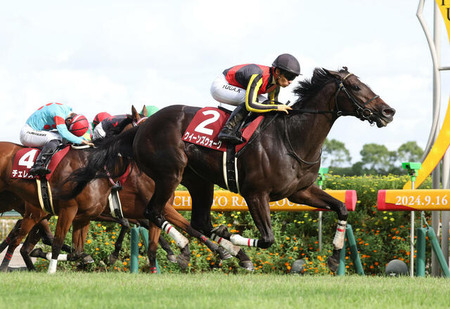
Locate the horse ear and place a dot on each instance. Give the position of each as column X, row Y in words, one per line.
column 144, row 111
column 134, row 112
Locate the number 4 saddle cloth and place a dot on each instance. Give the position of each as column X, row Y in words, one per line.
column 24, row 160
column 206, row 125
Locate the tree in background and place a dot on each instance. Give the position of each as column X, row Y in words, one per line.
column 409, row 152
column 375, row 159
column 334, row 154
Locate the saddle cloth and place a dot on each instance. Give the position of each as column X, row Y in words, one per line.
column 206, row 125
column 24, row 160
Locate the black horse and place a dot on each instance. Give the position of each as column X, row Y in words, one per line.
column 280, row 161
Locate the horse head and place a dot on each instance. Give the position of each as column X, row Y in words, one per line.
column 355, row 98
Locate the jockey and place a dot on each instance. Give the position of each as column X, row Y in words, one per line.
column 115, row 124
column 244, row 85
column 109, row 125
column 99, row 118
column 47, row 127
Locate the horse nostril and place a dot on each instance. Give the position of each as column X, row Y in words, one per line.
column 389, row 112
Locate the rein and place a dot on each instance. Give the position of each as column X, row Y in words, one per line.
column 292, row 152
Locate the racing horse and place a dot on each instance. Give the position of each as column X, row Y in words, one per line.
column 137, row 190
column 23, row 192
column 281, row 160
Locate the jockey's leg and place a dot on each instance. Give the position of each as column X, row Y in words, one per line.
column 44, row 157
column 230, row 132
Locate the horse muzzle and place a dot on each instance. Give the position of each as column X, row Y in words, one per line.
column 384, row 117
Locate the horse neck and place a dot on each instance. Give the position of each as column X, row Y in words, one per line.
column 308, row 131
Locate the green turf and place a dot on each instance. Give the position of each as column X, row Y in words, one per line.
column 210, row 290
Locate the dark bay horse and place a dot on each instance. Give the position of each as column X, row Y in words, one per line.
column 280, row 161
column 137, row 191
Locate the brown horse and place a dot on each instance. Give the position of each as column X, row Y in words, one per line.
column 281, row 160
column 137, row 190
column 79, row 211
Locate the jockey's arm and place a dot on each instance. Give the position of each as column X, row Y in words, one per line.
column 251, row 97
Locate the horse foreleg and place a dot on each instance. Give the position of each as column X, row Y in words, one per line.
column 47, row 236
column 113, row 257
column 202, row 193
column 258, row 205
column 316, row 197
column 79, row 235
column 153, row 237
column 65, row 219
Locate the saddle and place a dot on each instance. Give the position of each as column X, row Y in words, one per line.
column 24, row 160
column 203, row 131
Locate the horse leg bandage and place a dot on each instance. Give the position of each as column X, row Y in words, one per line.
column 238, row 240
column 180, row 240
column 339, row 237
column 226, row 244
column 61, row 257
column 52, row 266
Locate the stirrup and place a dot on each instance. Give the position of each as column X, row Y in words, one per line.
column 231, row 139
column 39, row 171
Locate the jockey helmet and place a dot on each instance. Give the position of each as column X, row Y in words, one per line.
column 77, row 124
column 287, row 63
column 100, row 117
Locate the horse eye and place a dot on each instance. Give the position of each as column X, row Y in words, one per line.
column 355, row 87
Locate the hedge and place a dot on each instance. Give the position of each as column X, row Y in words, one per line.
column 380, row 236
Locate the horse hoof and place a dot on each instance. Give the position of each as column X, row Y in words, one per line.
column 182, row 262
column 224, row 254
column 172, row 258
column 247, row 265
column 220, row 230
column 37, row 253
column 333, row 264
column 87, row 259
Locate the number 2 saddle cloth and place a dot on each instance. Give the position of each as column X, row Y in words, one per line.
column 203, row 131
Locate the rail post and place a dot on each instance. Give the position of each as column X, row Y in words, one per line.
column 420, row 245
column 134, row 259
column 354, row 254
column 320, row 179
column 412, row 168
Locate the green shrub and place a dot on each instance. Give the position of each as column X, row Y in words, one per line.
column 380, row 237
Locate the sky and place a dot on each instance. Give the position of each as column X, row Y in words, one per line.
column 108, row 55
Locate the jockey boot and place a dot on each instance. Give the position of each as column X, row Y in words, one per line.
column 43, row 158
column 230, row 132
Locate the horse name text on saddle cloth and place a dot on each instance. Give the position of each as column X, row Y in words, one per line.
column 206, row 125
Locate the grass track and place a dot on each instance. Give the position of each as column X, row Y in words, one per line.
column 122, row 290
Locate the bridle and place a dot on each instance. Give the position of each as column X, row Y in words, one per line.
column 136, row 123
column 362, row 112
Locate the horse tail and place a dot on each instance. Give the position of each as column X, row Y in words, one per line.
column 109, row 159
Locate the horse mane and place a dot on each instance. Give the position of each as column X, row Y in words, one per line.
column 110, row 159
column 308, row 88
